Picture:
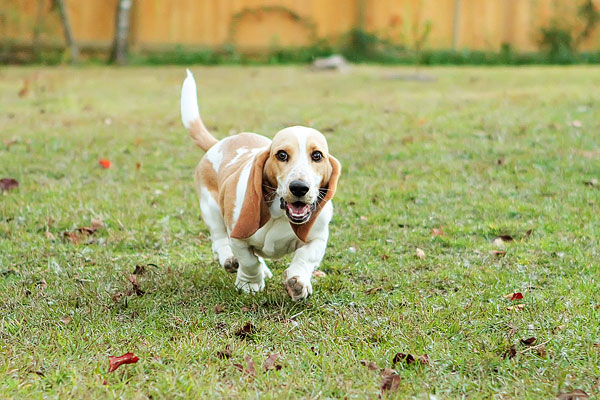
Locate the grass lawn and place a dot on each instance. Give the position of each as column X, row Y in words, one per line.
column 476, row 154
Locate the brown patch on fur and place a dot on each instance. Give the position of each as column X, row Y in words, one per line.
column 255, row 212
column 331, row 186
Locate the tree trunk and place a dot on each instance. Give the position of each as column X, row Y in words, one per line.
column 64, row 17
column 122, row 24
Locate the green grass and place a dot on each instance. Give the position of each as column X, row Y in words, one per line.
column 416, row 156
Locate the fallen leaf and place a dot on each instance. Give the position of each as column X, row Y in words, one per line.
column 541, row 351
column 505, row 238
column 384, row 257
column 42, row 283
column 319, row 274
column 576, row 124
column 528, row 233
column 374, row 290
column 270, row 362
column 510, row 353
column 139, row 270
column 25, row 90
column 528, row 341
column 219, row 309
column 369, row 364
column 592, row 182
column 516, row 307
column 96, row 223
column 363, row 218
column 245, row 309
column 104, row 163
column 420, row 253
column 501, row 161
column 138, row 165
column 66, row 319
column 246, row 331
column 116, row 362
column 250, row 367
column 390, row 382
column 226, row 353
column 514, row 296
column 576, row 394
column 423, row 360
column 437, row 232
column 401, row 357
column 498, row 252
column 133, row 279
column 7, row 184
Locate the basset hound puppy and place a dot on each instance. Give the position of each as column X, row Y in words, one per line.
column 264, row 198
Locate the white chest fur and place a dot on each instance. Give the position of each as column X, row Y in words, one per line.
column 275, row 239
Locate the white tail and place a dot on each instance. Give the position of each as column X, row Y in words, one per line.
column 190, row 116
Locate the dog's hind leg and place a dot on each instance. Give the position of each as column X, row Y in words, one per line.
column 211, row 214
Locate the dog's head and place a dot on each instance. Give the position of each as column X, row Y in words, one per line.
column 297, row 174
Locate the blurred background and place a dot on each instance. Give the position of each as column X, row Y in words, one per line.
column 280, row 31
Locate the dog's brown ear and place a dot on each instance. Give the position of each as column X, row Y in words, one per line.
column 326, row 194
column 255, row 211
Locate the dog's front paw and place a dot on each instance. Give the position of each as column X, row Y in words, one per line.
column 253, row 283
column 298, row 288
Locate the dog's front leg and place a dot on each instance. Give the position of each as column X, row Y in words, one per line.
column 306, row 259
column 252, row 270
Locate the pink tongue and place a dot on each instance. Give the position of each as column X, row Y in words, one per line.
column 298, row 211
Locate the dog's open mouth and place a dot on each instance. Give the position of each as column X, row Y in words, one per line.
column 298, row 212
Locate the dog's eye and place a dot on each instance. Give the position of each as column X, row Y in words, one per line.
column 317, row 156
column 282, row 155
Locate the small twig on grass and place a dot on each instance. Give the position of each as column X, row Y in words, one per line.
column 535, row 347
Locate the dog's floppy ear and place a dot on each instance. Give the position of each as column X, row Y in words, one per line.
column 325, row 194
column 255, row 211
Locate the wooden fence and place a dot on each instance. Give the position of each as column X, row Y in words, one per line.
column 262, row 24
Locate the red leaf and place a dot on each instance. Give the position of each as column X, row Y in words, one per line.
column 514, row 296
column 104, row 163
column 116, row 362
column 7, row 184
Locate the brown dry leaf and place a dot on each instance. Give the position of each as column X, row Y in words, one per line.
column 96, row 223
column 245, row 309
column 498, row 252
column 116, row 362
column 49, row 235
column 227, row 353
column 270, row 362
column 374, row 290
column 250, row 366
column 7, row 184
column 514, row 296
column 516, row 307
column 437, row 232
column 501, row 161
column 25, row 89
column 527, row 234
column 390, row 382
column 592, row 182
column 576, row 394
column 505, row 238
column 420, row 253
column 246, row 331
column 369, row 364
column 319, row 274
column 42, row 283
column 219, row 309
column 384, row 257
column 528, row 341
column 133, row 279
column 510, row 353
column 423, row 360
column 541, row 351
column 138, row 165
column 66, row 319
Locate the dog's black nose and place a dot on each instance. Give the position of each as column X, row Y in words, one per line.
column 298, row 188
